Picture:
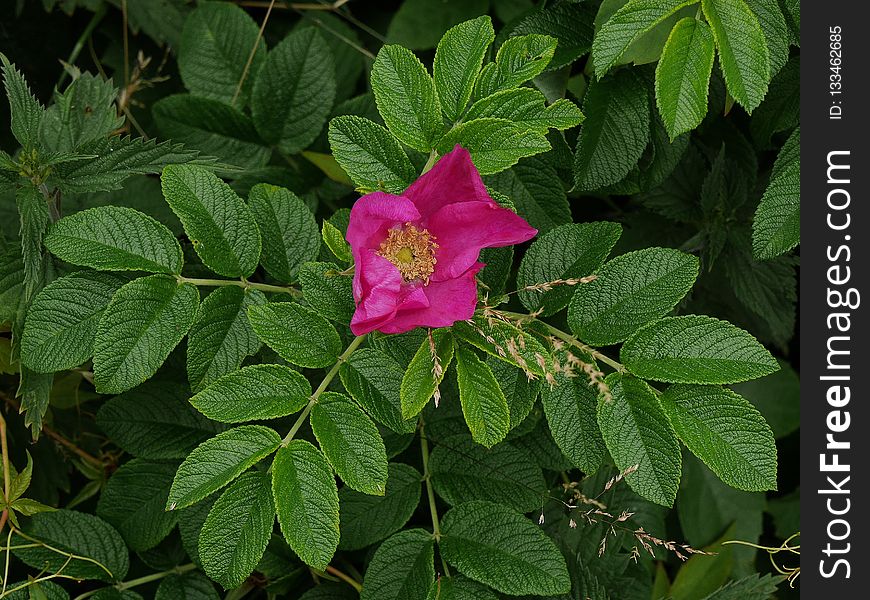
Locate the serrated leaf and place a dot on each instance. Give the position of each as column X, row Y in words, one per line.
column 780, row 109
column 366, row 519
column 494, row 144
column 221, row 336
column 189, row 586
column 422, row 378
column 696, row 349
column 418, row 24
column 630, row 291
column 81, row 534
column 219, row 460
column 462, row 470
column 534, row 186
column 84, row 112
column 751, row 587
column 483, row 403
column 350, row 442
column 570, row 251
column 133, row 501
column 219, row 224
column 306, row 499
column 115, row 238
column 327, row 291
column 298, row 334
column 683, row 76
column 401, row 568
column 31, row 590
column 627, row 24
column 637, row 432
column 619, row 103
column 295, row 90
column 254, row 393
column 371, row 155
column 520, row 391
column 406, row 98
column 725, row 431
column 570, row 406
column 33, row 219
column 776, row 31
column 458, row 59
column 776, row 225
column 215, row 45
column 494, row 545
column 527, row 108
column 777, row 397
column 743, row 54
column 155, row 421
column 571, row 24
column 518, row 60
column 25, row 110
column 505, row 342
column 288, row 229
column 237, row 530
column 374, row 380
column 334, row 239
column 190, row 522
column 62, row 321
column 142, row 324
column 212, row 127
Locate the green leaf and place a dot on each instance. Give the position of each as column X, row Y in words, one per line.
column 776, row 31
column 619, row 103
column 306, row 498
column 776, row 226
column 133, row 501
column 777, row 397
column 62, row 321
column 462, row 470
column 683, row 76
column 743, row 54
column 298, row 334
column 366, row 519
column 215, row 45
column 426, row 372
column 534, row 186
column 221, row 336
column 254, row 393
column 25, row 110
column 34, row 221
column 570, row 406
column 212, row 127
column 350, row 442
column 459, row 588
column 627, row 24
column 334, row 239
column 492, row 544
column 406, row 98
column 483, row 403
column 725, row 431
column 114, row 238
column 696, row 349
column 295, row 90
column 505, row 342
column 571, row 24
column 751, row 587
column 237, row 530
column 401, row 568
column 189, row 586
column 374, row 380
column 219, row 224
column 418, row 24
column 219, row 460
column 155, row 421
column 527, row 108
column 570, row 251
column 458, row 59
column 520, row 391
column 287, row 226
column 518, row 60
column 494, row 144
column 371, row 155
column 33, row 590
column 81, row 534
column 637, row 433
column 327, row 291
column 144, row 321
column 630, row 291
column 84, row 112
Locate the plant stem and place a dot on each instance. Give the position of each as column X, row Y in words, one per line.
column 80, row 42
column 252, row 54
column 244, row 283
column 430, row 492
column 322, row 388
column 6, row 478
column 344, row 577
column 126, row 585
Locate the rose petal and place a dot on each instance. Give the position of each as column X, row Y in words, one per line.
column 382, row 293
column 454, row 178
column 462, row 230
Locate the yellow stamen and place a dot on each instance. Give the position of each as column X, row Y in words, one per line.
column 412, row 250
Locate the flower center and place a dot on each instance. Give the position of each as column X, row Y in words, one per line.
column 412, row 250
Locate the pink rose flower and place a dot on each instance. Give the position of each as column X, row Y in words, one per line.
column 416, row 254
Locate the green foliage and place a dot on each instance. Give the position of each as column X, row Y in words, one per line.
column 298, row 334
column 776, row 227
column 483, row 403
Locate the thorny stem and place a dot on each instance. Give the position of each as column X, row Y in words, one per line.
column 430, row 492
column 322, row 388
column 244, row 283
column 345, row 578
